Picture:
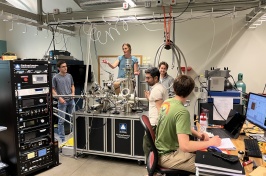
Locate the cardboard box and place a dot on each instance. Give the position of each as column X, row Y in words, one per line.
column 9, row 57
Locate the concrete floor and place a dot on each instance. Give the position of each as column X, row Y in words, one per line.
column 92, row 165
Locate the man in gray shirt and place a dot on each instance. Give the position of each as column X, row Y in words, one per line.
column 63, row 84
column 166, row 80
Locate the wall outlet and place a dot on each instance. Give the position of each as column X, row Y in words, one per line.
column 147, row 4
column 125, row 6
column 56, row 11
column 69, row 10
column 159, row 3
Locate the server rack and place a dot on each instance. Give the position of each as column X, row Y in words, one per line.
column 27, row 145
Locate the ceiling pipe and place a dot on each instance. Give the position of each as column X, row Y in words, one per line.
column 39, row 13
column 142, row 11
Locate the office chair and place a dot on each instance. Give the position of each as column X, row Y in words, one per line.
column 152, row 160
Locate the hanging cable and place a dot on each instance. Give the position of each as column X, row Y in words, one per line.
column 167, row 28
column 177, row 53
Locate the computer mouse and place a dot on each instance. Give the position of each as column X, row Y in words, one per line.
column 213, row 149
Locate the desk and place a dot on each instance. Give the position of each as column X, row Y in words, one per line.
column 239, row 143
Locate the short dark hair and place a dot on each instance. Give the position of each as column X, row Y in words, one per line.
column 153, row 71
column 60, row 62
column 183, row 85
column 163, row 63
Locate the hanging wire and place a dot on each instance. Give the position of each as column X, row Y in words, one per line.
column 177, row 53
column 25, row 30
column 12, row 26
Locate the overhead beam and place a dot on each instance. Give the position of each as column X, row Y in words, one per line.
column 28, row 15
column 252, row 14
column 142, row 11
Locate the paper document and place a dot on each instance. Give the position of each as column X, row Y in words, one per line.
column 227, row 144
column 223, row 105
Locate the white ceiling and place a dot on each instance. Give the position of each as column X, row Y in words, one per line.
column 48, row 5
column 101, row 10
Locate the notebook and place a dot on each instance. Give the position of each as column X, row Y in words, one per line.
column 232, row 128
column 210, row 172
column 205, row 160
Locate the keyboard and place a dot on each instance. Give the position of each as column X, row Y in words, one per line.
column 253, row 148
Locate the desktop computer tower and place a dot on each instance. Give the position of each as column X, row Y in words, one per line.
column 27, row 146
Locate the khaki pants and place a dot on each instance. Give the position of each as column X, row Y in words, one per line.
column 178, row 160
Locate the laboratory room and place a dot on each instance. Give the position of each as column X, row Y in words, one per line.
column 79, row 84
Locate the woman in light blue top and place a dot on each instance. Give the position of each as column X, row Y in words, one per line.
column 121, row 63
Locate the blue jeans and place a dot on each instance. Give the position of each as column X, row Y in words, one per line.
column 69, row 106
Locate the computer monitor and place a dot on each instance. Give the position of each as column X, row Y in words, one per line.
column 256, row 110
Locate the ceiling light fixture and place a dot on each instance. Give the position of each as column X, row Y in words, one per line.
column 131, row 3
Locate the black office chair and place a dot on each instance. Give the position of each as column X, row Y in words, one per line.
column 152, row 160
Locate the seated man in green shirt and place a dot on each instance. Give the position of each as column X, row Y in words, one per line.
column 174, row 127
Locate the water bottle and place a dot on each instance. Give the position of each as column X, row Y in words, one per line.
column 240, row 84
column 203, row 122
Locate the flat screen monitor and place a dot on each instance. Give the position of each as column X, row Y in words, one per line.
column 256, row 110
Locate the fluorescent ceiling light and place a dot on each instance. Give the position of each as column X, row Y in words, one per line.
column 29, row 5
column 131, row 3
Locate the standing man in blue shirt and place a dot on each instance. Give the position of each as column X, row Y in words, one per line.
column 63, row 84
column 121, row 63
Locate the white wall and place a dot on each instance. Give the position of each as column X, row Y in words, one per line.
column 30, row 45
column 2, row 30
column 228, row 41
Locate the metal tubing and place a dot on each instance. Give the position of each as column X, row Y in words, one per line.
column 63, row 118
column 63, row 112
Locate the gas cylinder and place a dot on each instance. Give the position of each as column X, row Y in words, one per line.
column 240, row 84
